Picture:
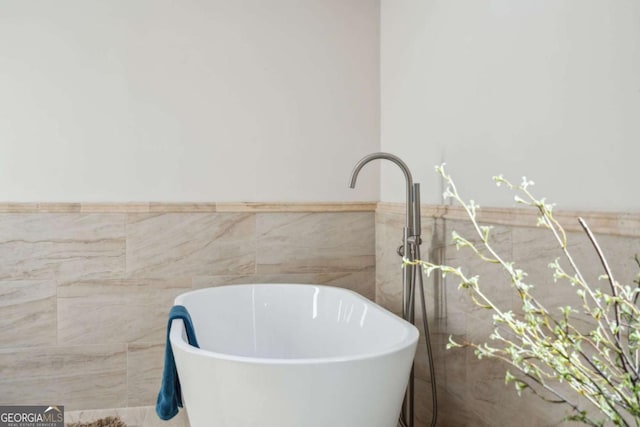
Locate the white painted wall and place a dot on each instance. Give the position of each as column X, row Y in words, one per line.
column 549, row 89
column 190, row 100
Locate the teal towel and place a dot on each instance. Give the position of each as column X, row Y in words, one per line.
column 170, row 397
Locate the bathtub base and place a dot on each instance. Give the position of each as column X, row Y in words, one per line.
column 231, row 394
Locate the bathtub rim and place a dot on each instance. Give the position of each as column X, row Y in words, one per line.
column 176, row 334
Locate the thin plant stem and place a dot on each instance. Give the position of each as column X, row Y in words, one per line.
column 546, row 349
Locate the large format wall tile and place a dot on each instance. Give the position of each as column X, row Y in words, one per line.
column 85, row 296
column 116, row 311
column 388, row 263
column 27, row 313
column 494, row 281
column 536, row 248
column 453, row 411
column 620, row 253
column 315, row 242
column 184, row 245
column 145, row 363
column 61, row 246
column 76, row 377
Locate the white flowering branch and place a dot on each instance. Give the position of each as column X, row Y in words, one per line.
column 546, row 350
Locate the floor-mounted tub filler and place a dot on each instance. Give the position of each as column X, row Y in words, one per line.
column 411, row 279
column 291, row 355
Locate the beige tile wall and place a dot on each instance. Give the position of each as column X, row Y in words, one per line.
column 471, row 392
column 84, row 296
column 84, row 293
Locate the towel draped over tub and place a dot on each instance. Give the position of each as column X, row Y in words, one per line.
column 170, row 397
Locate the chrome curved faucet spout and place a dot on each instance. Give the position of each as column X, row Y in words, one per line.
column 411, row 225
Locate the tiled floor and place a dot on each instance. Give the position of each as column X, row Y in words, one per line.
column 142, row 416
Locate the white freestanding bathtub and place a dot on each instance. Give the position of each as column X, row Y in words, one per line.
column 291, row 356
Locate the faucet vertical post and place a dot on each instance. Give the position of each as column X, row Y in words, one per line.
column 411, row 241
